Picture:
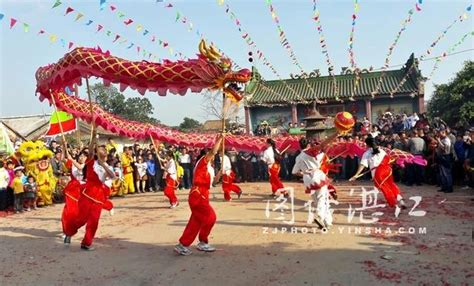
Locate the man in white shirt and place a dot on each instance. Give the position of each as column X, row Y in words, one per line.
column 308, row 165
column 185, row 162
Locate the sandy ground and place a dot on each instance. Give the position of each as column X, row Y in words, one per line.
column 135, row 246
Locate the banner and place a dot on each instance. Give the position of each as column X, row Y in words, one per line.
column 324, row 47
column 428, row 52
column 114, row 37
column 61, row 121
column 139, row 28
column 253, row 46
column 394, row 44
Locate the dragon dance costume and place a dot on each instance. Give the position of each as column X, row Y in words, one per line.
column 93, row 199
column 203, row 216
column 72, row 193
column 171, row 182
column 273, row 170
column 228, row 177
column 316, row 182
column 381, row 170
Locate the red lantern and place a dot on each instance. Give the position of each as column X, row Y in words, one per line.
column 344, row 121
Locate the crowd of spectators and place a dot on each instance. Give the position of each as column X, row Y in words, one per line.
column 449, row 153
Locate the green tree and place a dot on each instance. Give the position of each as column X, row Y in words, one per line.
column 134, row 108
column 454, row 101
column 189, row 124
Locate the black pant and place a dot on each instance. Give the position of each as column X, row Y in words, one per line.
column 3, row 199
column 414, row 174
column 186, row 183
column 151, row 182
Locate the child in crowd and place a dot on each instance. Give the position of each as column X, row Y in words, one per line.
column 29, row 196
column 17, row 186
column 142, row 177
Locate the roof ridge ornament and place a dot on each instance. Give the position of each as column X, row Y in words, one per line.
column 304, row 75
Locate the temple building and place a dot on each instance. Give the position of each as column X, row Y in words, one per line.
column 361, row 92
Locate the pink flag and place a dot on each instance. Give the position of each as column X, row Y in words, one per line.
column 70, row 45
column 12, row 22
column 128, row 22
column 112, row 7
column 99, row 27
column 116, row 38
column 169, row 5
column 69, row 10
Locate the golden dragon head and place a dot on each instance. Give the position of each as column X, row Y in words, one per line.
column 230, row 82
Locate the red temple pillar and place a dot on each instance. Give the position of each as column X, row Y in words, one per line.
column 368, row 109
column 247, row 119
column 421, row 104
column 294, row 113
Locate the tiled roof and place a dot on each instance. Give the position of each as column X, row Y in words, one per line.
column 276, row 92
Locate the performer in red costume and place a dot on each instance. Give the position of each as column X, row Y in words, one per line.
column 228, row 177
column 72, row 191
column 171, row 180
column 378, row 162
column 271, row 156
column 203, row 216
column 94, row 197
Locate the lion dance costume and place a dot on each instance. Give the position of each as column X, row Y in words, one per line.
column 36, row 159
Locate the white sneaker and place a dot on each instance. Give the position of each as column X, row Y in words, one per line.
column 182, row 250
column 174, row 205
column 202, row 246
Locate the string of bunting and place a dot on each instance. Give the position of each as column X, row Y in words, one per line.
column 53, row 38
column 114, row 37
column 405, row 23
column 428, row 52
column 449, row 51
column 324, row 47
column 253, row 46
column 181, row 18
column 286, row 44
column 351, row 50
column 144, row 31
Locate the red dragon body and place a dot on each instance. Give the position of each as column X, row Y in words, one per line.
column 208, row 71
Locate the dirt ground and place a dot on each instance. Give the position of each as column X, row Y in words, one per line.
column 135, row 246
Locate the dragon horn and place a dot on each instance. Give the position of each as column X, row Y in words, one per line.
column 203, row 48
column 206, row 52
column 214, row 52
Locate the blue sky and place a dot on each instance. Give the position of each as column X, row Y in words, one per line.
column 376, row 27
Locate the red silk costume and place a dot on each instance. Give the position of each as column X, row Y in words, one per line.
column 203, row 216
column 94, row 197
column 383, row 180
column 72, row 193
column 274, row 172
column 229, row 186
column 170, row 189
column 326, row 166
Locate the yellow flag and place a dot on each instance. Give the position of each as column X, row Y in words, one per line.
column 53, row 38
column 139, row 28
